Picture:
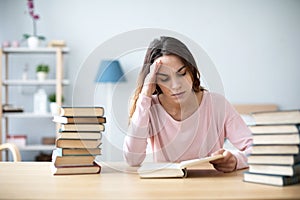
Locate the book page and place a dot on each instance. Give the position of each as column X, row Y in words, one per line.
column 190, row 163
column 150, row 167
column 160, row 170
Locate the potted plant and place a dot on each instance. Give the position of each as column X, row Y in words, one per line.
column 33, row 40
column 42, row 71
column 53, row 105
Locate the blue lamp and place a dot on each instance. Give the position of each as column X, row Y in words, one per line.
column 110, row 71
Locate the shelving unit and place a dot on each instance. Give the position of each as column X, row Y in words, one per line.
column 58, row 82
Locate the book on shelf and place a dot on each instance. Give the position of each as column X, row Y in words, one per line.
column 274, row 159
column 48, row 140
column 61, row 161
column 81, row 111
column 274, row 117
column 79, row 135
column 169, row 170
column 270, row 179
column 74, row 170
column 78, row 151
column 77, row 143
column 57, row 43
column 82, row 127
column 275, row 129
column 11, row 108
column 79, row 120
column 284, row 170
column 292, row 138
column 275, row 149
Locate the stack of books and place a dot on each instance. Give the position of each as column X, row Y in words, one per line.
column 78, row 140
column 275, row 158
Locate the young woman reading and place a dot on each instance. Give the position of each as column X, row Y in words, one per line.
column 180, row 118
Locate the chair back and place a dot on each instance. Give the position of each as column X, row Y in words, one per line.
column 13, row 149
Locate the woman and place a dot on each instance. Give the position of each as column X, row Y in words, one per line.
column 178, row 116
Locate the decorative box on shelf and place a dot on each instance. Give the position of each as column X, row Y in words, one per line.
column 19, row 140
column 48, row 140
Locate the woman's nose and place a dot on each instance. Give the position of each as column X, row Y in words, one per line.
column 175, row 83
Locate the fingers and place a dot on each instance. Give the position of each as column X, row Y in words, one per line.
column 220, row 151
column 150, row 80
column 227, row 163
column 225, row 168
column 221, row 160
column 151, row 77
column 154, row 69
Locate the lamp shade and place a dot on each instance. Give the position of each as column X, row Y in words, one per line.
column 110, row 71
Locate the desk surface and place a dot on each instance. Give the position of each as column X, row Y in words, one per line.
column 33, row 180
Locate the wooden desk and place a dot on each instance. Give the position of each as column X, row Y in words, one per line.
column 33, row 180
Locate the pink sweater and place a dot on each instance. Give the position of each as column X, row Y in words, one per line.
column 198, row 136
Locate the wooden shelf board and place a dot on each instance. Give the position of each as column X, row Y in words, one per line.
column 26, row 115
column 13, row 82
column 37, row 50
column 37, row 147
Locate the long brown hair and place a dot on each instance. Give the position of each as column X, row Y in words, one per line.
column 158, row 48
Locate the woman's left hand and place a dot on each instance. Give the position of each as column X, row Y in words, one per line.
column 227, row 163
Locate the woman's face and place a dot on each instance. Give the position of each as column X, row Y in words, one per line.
column 173, row 78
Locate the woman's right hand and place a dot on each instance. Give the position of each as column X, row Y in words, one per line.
column 149, row 85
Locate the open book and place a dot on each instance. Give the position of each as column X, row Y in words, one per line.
column 169, row 170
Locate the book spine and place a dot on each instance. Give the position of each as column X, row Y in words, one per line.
column 291, row 180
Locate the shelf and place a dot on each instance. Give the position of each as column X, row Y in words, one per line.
column 57, row 81
column 37, row 147
column 26, row 115
column 28, row 82
column 35, row 51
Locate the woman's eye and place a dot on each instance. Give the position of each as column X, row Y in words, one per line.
column 182, row 73
column 164, row 79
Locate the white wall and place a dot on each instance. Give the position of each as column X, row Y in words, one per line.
column 254, row 44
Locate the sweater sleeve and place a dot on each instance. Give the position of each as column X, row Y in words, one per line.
column 239, row 135
column 135, row 143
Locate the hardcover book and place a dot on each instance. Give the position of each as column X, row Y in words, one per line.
column 79, row 120
column 77, row 143
column 74, row 170
column 78, row 152
column 293, row 138
column 269, row 179
column 79, row 135
column 275, row 129
column 274, row 159
column 275, row 149
column 276, row 117
column 82, row 127
column 62, row 161
column 284, row 170
column 81, row 111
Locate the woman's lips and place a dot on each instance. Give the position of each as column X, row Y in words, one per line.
column 179, row 94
